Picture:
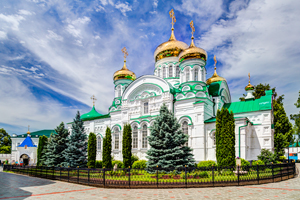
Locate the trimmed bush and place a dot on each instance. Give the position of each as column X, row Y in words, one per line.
column 119, row 163
column 267, row 156
column 258, row 162
column 245, row 162
column 134, row 158
column 141, row 164
column 99, row 164
column 208, row 163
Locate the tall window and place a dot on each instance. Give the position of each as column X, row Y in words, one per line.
column 117, row 139
column 177, row 71
column 144, row 136
column 164, row 72
column 135, row 138
column 99, row 143
column 170, row 71
column 146, row 108
column 158, row 73
column 196, row 75
column 187, row 74
column 185, row 130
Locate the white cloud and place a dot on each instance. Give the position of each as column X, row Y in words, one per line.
column 52, row 35
column 25, row 12
column 3, row 35
column 123, row 7
column 155, row 3
column 12, row 21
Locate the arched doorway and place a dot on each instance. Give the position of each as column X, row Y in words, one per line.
column 25, row 158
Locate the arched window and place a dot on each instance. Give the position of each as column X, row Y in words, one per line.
column 213, row 135
column 164, row 72
column 99, row 143
column 144, row 136
column 187, row 71
column 185, row 130
column 135, row 138
column 196, row 75
column 170, row 71
column 177, row 71
column 117, row 138
column 158, row 74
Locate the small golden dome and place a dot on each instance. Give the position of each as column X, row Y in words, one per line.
column 215, row 77
column 249, row 86
column 192, row 52
column 124, row 73
column 28, row 132
column 171, row 48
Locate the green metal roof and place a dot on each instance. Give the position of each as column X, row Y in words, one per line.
column 263, row 103
column 93, row 114
column 294, row 145
column 213, row 119
column 36, row 134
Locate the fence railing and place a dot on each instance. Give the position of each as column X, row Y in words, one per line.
column 163, row 177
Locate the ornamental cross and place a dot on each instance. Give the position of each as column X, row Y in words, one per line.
column 192, row 27
column 249, row 77
column 215, row 59
column 124, row 50
column 94, row 99
column 171, row 13
column 28, row 127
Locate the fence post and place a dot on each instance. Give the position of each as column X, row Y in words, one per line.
column 77, row 174
column 46, row 172
column 280, row 171
column 185, row 176
column 157, row 176
column 238, row 171
column 88, row 176
column 257, row 169
column 213, row 175
column 60, row 173
column 273, row 172
column 53, row 172
column 104, row 176
column 68, row 174
column 129, row 177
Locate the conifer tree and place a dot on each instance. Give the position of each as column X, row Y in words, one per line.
column 41, row 146
column 225, row 138
column 76, row 153
column 92, row 150
column 5, row 142
column 49, row 154
column 167, row 144
column 106, row 154
column 43, row 157
column 127, row 145
column 60, row 144
column 296, row 119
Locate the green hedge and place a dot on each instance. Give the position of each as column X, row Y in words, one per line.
column 207, row 163
column 119, row 163
column 99, row 164
column 245, row 162
column 141, row 164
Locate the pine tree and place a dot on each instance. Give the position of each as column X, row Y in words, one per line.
column 60, row 145
column 92, row 150
column 43, row 157
column 225, row 138
column 49, row 154
column 127, row 145
column 41, row 146
column 106, row 154
column 167, row 144
column 76, row 153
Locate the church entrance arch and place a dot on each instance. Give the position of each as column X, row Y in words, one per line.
column 25, row 158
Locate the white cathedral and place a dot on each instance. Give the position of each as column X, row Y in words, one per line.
column 179, row 81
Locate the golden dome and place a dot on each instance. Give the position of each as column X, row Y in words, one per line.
column 215, row 77
column 171, row 48
column 192, row 52
column 124, row 73
column 249, row 86
column 28, row 132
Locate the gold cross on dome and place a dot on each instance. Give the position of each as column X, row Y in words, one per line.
column 28, row 127
column 171, row 13
column 215, row 59
column 192, row 27
column 124, row 50
column 249, row 77
column 94, row 99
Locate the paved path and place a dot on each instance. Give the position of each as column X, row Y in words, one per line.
column 14, row 186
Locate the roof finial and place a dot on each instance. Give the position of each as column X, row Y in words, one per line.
column 124, row 50
column 215, row 59
column 193, row 30
column 94, row 99
column 249, row 87
column 249, row 76
column 171, row 13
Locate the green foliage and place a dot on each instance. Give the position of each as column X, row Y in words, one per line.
column 296, row 119
column 60, row 145
column 207, row 163
column 259, row 91
column 225, row 138
column 48, row 158
column 282, row 158
column 126, row 147
column 141, row 164
column 76, row 153
column 267, row 156
column 41, row 146
column 5, row 142
column 134, row 158
column 258, row 162
column 106, row 154
column 245, row 162
column 92, row 150
column 118, row 162
column 98, row 164
column 43, row 157
column 167, row 143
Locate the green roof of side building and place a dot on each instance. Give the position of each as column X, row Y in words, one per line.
column 36, row 134
column 93, row 114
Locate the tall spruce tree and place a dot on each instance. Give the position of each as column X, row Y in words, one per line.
column 41, row 146
column 167, row 143
column 127, row 145
column 296, row 119
column 225, row 138
column 49, row 156
column 92, row 150
column 76, row 153
column 43, row 157
column 60, row 145
column 106, row 154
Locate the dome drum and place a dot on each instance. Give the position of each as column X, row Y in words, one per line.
column 192, row 55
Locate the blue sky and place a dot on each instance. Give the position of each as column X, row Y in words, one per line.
column 56, row 54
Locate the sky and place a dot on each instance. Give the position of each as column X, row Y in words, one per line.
column 56, row 54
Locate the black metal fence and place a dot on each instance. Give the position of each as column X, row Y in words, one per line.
column 164, row 177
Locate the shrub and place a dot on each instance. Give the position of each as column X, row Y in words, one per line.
column 259, row 162
column 134, row 158
column 98, row 163
column 267, row 156
column 140, row 164
column 208, row 163
column 282, row 158
column 119, row 163
column 245, row 162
